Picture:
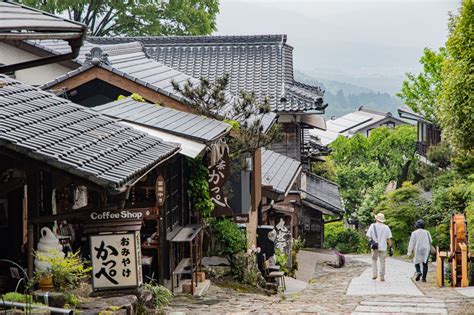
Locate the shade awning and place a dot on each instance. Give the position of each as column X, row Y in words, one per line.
column 19, row 22
column 314, row 121
column 189, row 148
column 187, row 233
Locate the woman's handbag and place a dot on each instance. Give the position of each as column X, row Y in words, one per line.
column 373, row 244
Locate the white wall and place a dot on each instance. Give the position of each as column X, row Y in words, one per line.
column 33, row 76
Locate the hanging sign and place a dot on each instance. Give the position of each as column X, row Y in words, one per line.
column 283, row 237
column 218, row 175
column 160, row 191
column 116, row 261
column 119, row 215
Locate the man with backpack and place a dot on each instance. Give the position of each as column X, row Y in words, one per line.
column 379, row 236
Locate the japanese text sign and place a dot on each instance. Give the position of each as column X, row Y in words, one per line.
column 218, row 175
column 116, row 261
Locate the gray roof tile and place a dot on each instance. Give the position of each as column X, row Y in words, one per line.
column 279, row 171
column 323, row 192
column 130, row 60
column 74, row 138
column 201, row 128
column 262, row 63
column 17, row 17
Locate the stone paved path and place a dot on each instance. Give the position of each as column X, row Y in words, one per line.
column 392, row 305
column 397, row 280
column 327, row 290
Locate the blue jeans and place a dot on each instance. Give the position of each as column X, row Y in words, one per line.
column 425, row 269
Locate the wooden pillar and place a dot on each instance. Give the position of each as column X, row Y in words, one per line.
column 464, row 276
column 30, row 248
column 256, row 191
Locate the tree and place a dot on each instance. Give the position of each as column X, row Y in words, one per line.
column 402, row 208
column 244, row 112
column 364, row 166
column 138, row 17
column 420, row 92
column 326, row 169
column 455, row 105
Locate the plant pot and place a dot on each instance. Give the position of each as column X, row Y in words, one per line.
column 45, row 283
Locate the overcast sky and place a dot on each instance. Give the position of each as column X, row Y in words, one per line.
column 337, row 38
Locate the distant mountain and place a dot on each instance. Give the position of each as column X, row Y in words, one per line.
column 344, row 98
column 331, row 85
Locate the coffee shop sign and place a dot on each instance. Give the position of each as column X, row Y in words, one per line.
column 122, row 215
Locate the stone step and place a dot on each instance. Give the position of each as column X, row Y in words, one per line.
column 366, row 309
column 405, row 304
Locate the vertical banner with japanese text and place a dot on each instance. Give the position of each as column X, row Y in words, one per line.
column 116, row 261
column 218, row 175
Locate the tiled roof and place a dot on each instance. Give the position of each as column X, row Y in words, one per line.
column 131, row 61
column 262, row 63
column 74, row 138
column 279, row 171
column 350, row 124
column 322, row 192
column 170, row 120
column 15, row 19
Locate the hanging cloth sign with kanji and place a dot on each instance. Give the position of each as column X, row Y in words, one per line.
column 116, row 261
column 219, row 173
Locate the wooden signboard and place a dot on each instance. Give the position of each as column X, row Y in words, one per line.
column 218, row 176
column 116, row 261
column 160, row 191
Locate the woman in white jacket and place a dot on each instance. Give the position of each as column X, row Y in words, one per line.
column 420, row 246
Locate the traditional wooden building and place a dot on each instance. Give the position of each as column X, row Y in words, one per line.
column 109, row 71
column 268, row 64
column 428, row 133
column 262, row 64
column 360, row 122
column 78, row 172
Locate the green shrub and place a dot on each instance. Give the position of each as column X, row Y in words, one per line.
column 326, row 169
column 402, row 208
column 344, row 240
column 161, row 296
column 282, row 261
column 229, row 235
column 198, row 188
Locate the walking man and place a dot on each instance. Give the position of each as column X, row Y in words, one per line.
column 420, row 246
column 379, row 236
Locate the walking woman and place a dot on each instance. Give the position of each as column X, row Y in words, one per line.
column 420, row 246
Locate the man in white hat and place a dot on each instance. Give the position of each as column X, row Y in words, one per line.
column 379, row 236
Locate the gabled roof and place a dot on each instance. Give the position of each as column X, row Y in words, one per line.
column 322, row 192
column 130, row 61
column 349, row 124
column 19, row 22
column 408, row 113
column 197, row 127
column 279, row 171
column 74, row 138
column 262, row 63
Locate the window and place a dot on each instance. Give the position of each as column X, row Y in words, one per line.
column 390, row 124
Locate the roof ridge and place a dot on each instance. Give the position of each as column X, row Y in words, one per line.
column 201, row 39
column 373, row 111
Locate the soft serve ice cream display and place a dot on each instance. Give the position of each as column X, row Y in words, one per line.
column 48, row 246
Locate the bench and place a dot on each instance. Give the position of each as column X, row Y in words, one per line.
column 184, row 267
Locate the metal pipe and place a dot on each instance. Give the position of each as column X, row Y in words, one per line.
column 53, row 310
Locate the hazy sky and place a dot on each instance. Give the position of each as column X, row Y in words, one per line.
column 336, row 39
